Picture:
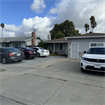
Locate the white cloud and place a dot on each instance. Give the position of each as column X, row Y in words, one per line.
column 38, row 6
column 78, row 11
column 41, row 24
column 12, row 28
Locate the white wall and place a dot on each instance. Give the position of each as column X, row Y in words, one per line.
column 37, row 41
column 84, row 43
column 29, row 42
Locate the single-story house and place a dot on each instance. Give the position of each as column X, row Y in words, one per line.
column 74, row 46
column 80, row 43
column 19, row 41
column 59, row 46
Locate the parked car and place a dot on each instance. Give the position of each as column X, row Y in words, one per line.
column 28, row 52
column 93, row 59
column 41, row 51
column 8, row 54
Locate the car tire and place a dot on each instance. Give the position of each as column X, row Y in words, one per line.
column 38, row 55
column 4, row 60
column 19, row 60
column 82, row 70
column 32, row 57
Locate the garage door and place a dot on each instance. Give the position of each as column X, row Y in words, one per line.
column 74, row 50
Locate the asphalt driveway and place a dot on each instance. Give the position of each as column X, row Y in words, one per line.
column 50, row 81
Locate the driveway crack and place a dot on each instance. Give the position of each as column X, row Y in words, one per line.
column 55, row 92
column 13, row 100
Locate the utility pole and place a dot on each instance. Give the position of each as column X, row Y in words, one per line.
column 34, row 29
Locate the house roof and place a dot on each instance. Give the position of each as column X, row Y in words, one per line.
column 13, row 39
column 88, row 35
column 62, row 40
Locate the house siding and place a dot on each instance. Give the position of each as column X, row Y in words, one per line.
column 83, row 44
column 37, row 41
column 29, row 42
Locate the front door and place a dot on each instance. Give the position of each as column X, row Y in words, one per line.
column 74, row 50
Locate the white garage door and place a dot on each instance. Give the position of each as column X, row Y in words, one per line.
column 74, row 50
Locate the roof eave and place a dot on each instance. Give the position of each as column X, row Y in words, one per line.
column 57, row 42
column 28, row 39
column 85, row 37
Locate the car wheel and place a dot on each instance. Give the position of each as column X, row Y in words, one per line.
column 19, row 60
column 82, row 70
column 4, row 61
column 38, row 55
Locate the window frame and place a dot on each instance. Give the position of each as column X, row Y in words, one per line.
column 96, row 44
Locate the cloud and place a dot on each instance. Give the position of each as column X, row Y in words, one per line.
column 12, row 28
column 41, row 24
column 79, row 11
column 38, row 6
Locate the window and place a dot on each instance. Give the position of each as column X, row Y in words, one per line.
column 96, row 51
column 52, row 46
column 96, row 44
column 58, row 47
column 2, row 50
column 12, row 49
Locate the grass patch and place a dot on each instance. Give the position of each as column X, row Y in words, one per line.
column 1, row 70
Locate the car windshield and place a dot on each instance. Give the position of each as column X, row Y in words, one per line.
column 96, row 51
column 41, row 48
column 29, row 48
column 12, row 49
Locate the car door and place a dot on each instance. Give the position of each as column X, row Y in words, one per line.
column 3, row 53
column 0, row 54
column 25, row 51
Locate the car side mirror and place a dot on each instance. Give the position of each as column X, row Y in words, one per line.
column 84, row 52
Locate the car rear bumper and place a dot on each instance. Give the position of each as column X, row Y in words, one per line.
column 15, row 58
column 45, row 54
column 91, row 66
column 31, row 55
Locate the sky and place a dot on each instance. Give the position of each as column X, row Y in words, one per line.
column 21, row 16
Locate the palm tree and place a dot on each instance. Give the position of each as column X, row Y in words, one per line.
column 2, row 25
column 86, row 27
column 93, row 22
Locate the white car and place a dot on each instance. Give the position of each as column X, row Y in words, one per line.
column 93, row 59
column 41, row 51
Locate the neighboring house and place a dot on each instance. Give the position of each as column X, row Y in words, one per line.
column 80, row 43
column 34, row 42
column 58, row 46
column 19, row 41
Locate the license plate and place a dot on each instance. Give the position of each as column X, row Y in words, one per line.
column 18, row 54
column 97, row 67
column 34, row 52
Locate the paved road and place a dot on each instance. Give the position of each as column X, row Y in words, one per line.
column 50, row 81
